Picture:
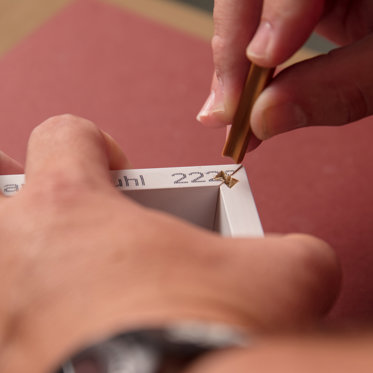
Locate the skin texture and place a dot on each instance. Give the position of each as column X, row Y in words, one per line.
column 334, row 89
column 80, row 261
column 343, row 353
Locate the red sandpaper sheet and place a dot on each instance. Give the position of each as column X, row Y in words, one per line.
column 144, row 83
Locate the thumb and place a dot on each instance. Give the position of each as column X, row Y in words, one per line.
column 332, row 89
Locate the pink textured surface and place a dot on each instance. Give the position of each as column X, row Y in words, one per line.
column 144, row 83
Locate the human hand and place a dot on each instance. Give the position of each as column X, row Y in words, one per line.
column 80, row 261
column 333, row 89
column 343, row 351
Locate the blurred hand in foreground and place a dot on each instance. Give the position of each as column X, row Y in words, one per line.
column 80, row 261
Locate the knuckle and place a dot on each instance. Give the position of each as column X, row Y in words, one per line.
column 218, row 15
column 220, row 49
column 352, row 94
column 353, row 98
column 58, row 120
column 61, row 123
column 229, row 55
column 62, row 119
column 217, row 45
column 316, row 268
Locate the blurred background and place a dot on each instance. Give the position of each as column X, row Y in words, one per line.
column 19, row 17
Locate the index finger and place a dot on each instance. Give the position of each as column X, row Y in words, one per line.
column 235, row 24
column 285, row 26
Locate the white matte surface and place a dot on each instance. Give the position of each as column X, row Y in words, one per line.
column 187, row 192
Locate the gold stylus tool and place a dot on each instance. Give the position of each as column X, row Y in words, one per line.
column 238, row 139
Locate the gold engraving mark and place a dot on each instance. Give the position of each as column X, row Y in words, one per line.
column 228, row 180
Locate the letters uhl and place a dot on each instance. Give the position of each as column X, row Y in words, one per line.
column 131, row 182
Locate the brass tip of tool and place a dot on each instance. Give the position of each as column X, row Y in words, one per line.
column 238, row 139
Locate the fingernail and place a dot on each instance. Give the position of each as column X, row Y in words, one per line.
column 213, row 111
column 259, row 46
column 117, row 159
column 279, row 118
